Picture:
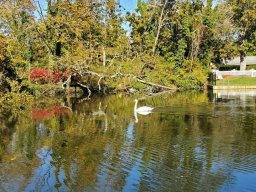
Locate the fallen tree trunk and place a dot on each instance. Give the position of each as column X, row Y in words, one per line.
column 66, row 83
column 76, row 81
column 86, row 87
column 156, row 85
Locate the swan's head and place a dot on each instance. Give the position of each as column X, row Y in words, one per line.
column 136, row 100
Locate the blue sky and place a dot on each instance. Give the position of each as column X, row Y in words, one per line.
column 129, row 5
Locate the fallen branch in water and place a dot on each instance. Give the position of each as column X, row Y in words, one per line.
column 116, row 75
column 85, row 86
column 101, row 76
column 155, row 85
column 66, row 83
column 156, row 94
column 99, row 82
column 144, row 82
column 159, row 93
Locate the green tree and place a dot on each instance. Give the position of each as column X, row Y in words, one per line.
column 244, row 18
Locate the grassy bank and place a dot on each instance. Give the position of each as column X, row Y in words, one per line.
column 237, row 81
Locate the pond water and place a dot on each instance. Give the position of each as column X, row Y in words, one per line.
column 190, row 142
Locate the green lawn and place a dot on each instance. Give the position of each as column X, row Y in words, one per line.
column 233, row 81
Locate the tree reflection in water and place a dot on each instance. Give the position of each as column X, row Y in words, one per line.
column 188, row 144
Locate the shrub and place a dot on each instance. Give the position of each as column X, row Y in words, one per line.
column 191, row 75
column 229, row 67
column 251, row 67
column 40, row 75
column 43, row 76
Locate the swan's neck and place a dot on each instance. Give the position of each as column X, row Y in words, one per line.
column 135, row 106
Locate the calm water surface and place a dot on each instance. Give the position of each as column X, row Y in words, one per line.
column 191, row 142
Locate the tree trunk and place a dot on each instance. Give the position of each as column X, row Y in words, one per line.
column 104, row 57
column 58, row 49
column 105, row 33
column 242, row 61
column 160, row 24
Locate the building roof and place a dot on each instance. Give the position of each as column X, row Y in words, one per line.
column 250, row 60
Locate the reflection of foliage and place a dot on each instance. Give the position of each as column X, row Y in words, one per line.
column 179, row 146
column 14, row 107
column 15, row 102
column 44, row 113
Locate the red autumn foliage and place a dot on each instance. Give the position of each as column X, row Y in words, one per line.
column 47, row 112
column 59, row 75
column 40, row 75
column 44, row 76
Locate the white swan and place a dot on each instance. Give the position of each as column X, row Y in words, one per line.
column 144, row 110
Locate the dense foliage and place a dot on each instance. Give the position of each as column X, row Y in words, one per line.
column 169, row 43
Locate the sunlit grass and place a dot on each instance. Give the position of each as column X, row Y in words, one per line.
column 235, row 81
